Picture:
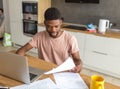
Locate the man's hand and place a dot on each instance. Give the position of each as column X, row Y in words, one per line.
column 77, row 68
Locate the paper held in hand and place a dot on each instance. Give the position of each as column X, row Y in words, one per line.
column 67, row 65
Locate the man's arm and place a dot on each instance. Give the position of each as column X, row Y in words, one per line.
column 77, row 61
column 21, row 51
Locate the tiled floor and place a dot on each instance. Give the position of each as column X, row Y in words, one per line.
column 109, row 79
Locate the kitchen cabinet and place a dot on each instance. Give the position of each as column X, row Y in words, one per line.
column 102, row 54
column 42, row 6
column 16, row 16
column 16, row 24
column 16, row 28
column 81, row 44
column 16, row 32
column 18, row 38
column 15, row 10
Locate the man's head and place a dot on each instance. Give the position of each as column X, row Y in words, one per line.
column 53, row 22
column 52, row 14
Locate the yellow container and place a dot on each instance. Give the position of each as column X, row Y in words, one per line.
column 97, row 82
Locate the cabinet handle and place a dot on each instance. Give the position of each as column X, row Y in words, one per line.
column 100, row 53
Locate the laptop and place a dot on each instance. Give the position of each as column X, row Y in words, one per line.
column 16, row 67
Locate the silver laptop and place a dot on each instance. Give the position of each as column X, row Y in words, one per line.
column 16, row 67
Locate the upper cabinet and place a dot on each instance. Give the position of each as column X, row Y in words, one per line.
column 42, row 6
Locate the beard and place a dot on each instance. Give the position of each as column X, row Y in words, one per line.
column 54, row 34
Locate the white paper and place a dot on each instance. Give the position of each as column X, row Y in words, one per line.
column 40, row 84
column 69, row 80
column 3, row 87
column 67, row 65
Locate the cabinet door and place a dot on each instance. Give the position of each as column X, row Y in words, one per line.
column 104, row 45
column 102, row 63
column 18, row 37
column 81, row 44
column 102, row 53
column 17, row 32
column 42, row 6
column 15, row 10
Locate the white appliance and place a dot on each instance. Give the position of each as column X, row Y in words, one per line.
column 30, row 17
column 103, row 25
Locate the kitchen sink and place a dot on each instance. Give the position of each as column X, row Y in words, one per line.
column 83, row 28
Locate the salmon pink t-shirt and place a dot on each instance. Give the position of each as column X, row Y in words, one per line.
column 55, row 50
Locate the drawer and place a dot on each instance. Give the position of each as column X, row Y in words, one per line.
column 103, row 45
column 106, row 63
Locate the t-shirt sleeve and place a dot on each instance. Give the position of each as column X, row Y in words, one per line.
column 73, row 45
column 33, row 41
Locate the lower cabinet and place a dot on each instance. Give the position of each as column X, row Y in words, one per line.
column 102, row 54
column 81, row 44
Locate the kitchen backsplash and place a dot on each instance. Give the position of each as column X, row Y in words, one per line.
column 80, row 13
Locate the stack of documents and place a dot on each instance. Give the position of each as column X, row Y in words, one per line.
column 40, row 84
column 3, row 87
column 64, row 80
column 68, row 80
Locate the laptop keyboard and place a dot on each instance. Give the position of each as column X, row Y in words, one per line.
column 32, row 76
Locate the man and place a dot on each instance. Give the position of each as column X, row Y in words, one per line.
column 54, row 45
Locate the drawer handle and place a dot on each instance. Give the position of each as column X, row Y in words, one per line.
column 100, row 53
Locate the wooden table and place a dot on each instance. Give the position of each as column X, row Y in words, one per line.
column 37, row 63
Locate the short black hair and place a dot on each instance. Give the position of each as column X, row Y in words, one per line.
column 52, row 14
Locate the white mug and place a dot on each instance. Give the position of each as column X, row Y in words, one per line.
column 103, row 25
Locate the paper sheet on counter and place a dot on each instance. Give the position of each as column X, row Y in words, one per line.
column 69, row 80
column 40, row 84
column 3, row 87
column 67, row 65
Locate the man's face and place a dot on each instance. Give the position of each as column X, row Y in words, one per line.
column 53, row 27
